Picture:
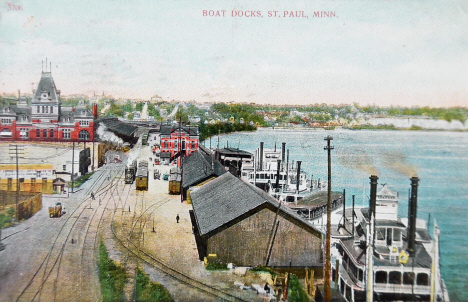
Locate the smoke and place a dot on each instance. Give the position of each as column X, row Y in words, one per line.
column 132, row 155
column 397, row 162
column 357, row 159
column 108, row 136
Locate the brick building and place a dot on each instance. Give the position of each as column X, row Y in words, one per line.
column 44, row 119
column 174, row 138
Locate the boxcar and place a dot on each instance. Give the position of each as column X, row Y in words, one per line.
column 130, row 172
column 141, row 179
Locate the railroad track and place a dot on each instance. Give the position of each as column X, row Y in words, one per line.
column 41, row 278
column 132, row 245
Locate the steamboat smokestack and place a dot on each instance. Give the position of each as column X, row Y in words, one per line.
column 298, row 178
column 373, row 195
column 261, row 157
column 278, row 175
column 283, row 150
column 413, row 207
column 373, row 201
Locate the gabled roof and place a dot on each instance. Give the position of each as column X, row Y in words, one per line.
column 199, row 166
column 227, row 198
column 168, row 129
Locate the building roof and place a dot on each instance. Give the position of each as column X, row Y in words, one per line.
column 46, row 83
column 118, row 127
column 198, row 166
column 27, row 167
column 227, row 198
column 168, row 129
column 234, row 152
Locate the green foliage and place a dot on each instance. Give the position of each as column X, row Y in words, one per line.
column 181, row 115
column 154, row 112
column 296, row 293
column 150, row 291
column 320, row 117
column 130, row 116
column 216, row 266
column 7, row 218
column 127, row 107
column 111, row 276
column 249, row 113
column 139, row 106
column 370, row 127
column 114, row 110
column 81, row 180
column 264, row 269
column 208, row 130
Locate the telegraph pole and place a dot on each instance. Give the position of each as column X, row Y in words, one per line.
column 16, row 149
column 73, row 167
column 327, row 249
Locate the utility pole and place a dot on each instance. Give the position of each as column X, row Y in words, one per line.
column 15, row 150
column 73, row 167
column 327, row 249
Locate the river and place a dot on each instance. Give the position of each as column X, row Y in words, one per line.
column 439, row 159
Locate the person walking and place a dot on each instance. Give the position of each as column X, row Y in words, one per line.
column 177, row 218
column 92, row 195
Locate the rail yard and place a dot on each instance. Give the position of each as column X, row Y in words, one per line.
column 55, row 259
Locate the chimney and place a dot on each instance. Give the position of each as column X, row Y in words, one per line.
column 95, row 111
column 283, row 150
column 373, row 198
column 413, row 207
column 373, row 195
column 278, row 175
column 261, row 157
column 298, row 178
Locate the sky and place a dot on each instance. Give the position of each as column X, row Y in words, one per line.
column 382, row 52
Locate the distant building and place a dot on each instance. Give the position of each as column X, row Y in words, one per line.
column 32, row 178
column 174, row 138
column 245, row 226
column 45, row 119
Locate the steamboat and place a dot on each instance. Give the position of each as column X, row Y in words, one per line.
column 270, row 170
column 378, row 256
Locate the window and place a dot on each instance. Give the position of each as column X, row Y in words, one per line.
column 66, row 133
column 423, row 279
column 381, row 277
column 33, row 182
column 38, row 133
column 52, row 133
column 46, row 109
column 83, row 135
column 38, row 110
column 23, row 132
column 408, row 278
column 394, row 278
column 21, row 180
column 396, row 235
column 42, row 109
column 44, row 132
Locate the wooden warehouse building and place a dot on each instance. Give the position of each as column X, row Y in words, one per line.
column 197, row 168
column 245, row 226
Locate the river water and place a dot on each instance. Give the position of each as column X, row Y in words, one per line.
column 439, row 159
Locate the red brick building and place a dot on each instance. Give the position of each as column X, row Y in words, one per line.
column 174, row 138
column 44, row 119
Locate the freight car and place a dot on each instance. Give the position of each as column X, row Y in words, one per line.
column 130, row 172
column 141, row 180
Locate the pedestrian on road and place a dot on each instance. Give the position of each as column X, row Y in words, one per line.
column 92, row 195
column 177, row 218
